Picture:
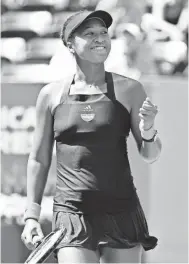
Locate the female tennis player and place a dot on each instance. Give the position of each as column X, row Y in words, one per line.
column 90, row 115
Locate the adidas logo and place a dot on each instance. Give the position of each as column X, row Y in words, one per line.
column 87, row 114
column 88, row 107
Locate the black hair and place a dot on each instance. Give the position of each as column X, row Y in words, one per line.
column 62, row 33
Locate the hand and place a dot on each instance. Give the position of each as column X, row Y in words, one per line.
column 31, row 234
column 147, row 114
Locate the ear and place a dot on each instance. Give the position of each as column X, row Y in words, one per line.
column 70, row 47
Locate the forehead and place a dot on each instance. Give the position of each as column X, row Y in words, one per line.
column 91, row 23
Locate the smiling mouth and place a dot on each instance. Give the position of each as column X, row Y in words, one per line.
column 98, row 48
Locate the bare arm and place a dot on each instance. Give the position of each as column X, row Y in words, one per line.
column 149, row 151
column 41, row 154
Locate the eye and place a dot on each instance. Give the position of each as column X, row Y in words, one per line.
column 104, row 32
column 89, row 34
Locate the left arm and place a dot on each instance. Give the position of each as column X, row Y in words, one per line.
column 143, row 114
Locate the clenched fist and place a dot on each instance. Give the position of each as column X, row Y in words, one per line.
column 147, row 114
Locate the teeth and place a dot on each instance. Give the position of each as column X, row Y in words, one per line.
column 99, row 48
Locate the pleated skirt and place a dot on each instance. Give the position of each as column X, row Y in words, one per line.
column 116, row 230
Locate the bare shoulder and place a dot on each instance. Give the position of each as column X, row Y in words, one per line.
column 127, row 83
column 130, row 89
column 136, row 88
column 52, row 92
column 51, row 89
column 45, row 95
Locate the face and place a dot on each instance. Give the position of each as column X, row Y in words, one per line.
column 91, row 41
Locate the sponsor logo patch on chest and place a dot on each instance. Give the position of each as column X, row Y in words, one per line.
column 87, row 114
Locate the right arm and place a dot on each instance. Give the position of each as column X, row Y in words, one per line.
column 38, row 167
column 41, row 154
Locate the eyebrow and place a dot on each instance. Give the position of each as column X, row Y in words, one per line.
column 87, row 27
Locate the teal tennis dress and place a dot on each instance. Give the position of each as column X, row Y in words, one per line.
column 96, row 199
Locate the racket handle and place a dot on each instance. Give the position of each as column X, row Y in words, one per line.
column 37, row 244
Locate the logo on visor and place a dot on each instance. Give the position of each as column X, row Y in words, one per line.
column 87, row 114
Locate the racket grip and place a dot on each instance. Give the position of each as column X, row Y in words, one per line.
column 37, row 244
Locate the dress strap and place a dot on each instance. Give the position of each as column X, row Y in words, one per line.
column 110, row 85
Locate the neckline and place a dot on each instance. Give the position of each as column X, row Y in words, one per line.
column 108, row 81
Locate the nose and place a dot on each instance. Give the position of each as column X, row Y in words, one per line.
column 99, row 38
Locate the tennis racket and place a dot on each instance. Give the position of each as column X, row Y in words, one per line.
column 45, row 247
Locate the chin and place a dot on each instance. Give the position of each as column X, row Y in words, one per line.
column 99, row 59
